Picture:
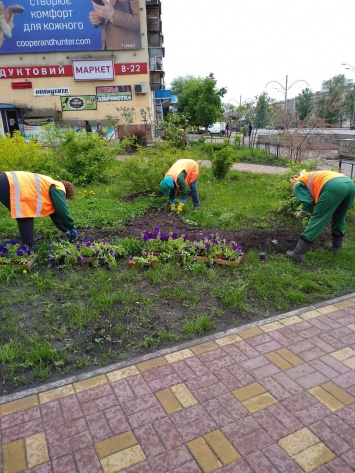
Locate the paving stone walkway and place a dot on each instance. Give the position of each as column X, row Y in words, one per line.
column 273, row 396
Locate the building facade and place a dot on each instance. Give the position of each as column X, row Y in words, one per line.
column 65, row 61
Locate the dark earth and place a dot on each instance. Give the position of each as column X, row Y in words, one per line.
column 275, row 241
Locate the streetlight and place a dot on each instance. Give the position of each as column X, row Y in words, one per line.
column 352, row 69
column 286, row 88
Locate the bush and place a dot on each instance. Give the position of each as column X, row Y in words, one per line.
column 18, row 155
column 147, row 168
column 222, row 160
column 85, row 157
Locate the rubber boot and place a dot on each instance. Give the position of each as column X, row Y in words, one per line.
column 337, row 243
column 301, row 249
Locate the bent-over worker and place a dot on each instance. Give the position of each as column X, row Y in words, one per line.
column 181, row 175
column 328, row 195
column 28, row 195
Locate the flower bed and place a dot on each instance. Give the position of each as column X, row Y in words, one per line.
column 211, row 249
column 13, row 254
column 84, row 251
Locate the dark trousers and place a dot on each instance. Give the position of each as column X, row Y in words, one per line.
column 25, row 225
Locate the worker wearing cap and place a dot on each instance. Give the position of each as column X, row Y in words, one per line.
column 182, row 175
column 28, row 195
column 327, row 195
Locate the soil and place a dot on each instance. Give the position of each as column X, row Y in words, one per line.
column 279, row 240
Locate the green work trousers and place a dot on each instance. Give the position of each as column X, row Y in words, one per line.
column 333, row 203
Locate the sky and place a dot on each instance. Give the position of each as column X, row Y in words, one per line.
column 246, row 45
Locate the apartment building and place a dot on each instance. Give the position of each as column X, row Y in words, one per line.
column 60, row 61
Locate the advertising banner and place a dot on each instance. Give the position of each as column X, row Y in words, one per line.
column 33, row 127
column 51, row 91
column 115, row 93
column 75, row 103
column 33, row 26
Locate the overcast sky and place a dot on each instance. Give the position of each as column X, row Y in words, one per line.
column 248, row 44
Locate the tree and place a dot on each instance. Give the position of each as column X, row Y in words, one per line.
column 304, row 104
column 262, row 110
column 330, row 105
column 198, row 99
column 349, row 100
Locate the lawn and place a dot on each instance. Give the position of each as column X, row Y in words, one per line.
column 57, row 320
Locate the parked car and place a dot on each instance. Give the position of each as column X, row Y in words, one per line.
column 352, row 126
column 201, row 130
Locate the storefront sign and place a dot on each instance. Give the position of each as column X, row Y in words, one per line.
column 23, row 72
column 21, row 85
column 33, row 71
column 75, row 103
column 94, row 70
column 115, row 93
column 45, row 92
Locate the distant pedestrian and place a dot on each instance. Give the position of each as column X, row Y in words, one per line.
column 250, row 129
column 88, row 128
column 227, row 129
column 99, row 128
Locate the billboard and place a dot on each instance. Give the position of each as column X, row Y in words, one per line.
column 38, row 26
column 33, row 127
column 76, row 102
column 115, row 93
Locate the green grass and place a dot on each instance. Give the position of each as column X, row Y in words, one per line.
column 56, row 322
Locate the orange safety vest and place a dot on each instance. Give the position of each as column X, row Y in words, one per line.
column 188, row 165
column 316, row 180
column 29, row 194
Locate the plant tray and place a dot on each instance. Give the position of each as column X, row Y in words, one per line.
column 27, row 265
column 228, row 262
column 220, row 261
column 86, row 260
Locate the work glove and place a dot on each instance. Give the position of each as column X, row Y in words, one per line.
column 173, row 207
column 72, row 234
column 301, row 214
column 180, row 207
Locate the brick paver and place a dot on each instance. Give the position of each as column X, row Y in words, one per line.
column 275, row 396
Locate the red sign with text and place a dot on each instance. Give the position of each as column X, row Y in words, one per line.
column 23, row 72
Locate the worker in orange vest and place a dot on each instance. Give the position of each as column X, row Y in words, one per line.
column 328, row 195
column 28, row 195
column 181, row 175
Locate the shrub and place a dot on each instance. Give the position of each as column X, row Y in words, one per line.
column 222, row 160
column 85, row 157
column 147, row 168
column 18, row 155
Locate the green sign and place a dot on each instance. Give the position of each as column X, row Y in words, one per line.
column 73, row 103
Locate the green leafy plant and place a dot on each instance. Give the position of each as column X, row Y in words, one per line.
column 146, row 258
column 222, row 160
column 84, row 157
column 67, row 253
column 13, row 253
